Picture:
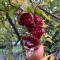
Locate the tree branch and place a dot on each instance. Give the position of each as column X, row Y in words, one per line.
column 49, row 13
column 16, row 31
column 2, row 47
column 10, row 21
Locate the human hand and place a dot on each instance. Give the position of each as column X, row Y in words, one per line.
column 38, row 53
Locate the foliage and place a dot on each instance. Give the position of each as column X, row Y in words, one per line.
column 7, row 34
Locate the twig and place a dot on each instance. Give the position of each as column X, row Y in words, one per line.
column 2, row 47
column 49, row 13
column 10, row 21
column 32, row 3
column 16, row 31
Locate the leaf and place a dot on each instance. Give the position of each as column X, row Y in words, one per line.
column 39, row 12
column 46, row 16
column 46, row 57
column 49, row 40
column 47, row 35
column 1, row 24
column 43, row 4
column 52, row 57
column 1, row 7
column 7, row 24
column 45, row 25
column 30, row 9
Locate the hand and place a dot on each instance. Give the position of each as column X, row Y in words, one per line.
column 38, row 53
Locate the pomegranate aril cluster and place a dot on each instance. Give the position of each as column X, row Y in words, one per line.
column 26, row 19
column 34, row 26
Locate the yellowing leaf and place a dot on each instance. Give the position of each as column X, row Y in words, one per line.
column 46, row 57
column 46, row 16
column 52, row 57
column 47, row 35
column 49, row 39
column 45, row 25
